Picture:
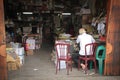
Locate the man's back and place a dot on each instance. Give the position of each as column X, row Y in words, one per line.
column 84, row 39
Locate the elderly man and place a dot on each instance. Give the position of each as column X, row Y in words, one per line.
column 82, row 39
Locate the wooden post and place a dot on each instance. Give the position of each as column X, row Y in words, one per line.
column 3, row 67
column 112, row 61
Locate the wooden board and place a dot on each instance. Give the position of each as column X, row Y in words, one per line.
column 3, row 67
column 112, row 61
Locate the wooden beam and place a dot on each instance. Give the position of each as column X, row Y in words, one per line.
column 112, row 61
column 3, row 65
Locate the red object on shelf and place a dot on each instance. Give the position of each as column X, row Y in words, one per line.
column 102, row 38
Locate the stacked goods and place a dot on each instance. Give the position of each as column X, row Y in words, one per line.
column 20, row 52
column 15, row 58
column 16, row 50
column 30, row 45
column 13, row 64
column 64, row 36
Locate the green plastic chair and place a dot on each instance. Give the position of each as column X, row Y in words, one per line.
column 100, row 56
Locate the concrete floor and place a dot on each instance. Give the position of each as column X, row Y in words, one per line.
column 40, row 67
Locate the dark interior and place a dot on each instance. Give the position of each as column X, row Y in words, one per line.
column 44, row 11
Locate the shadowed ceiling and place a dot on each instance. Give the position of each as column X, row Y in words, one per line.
column 14, row 6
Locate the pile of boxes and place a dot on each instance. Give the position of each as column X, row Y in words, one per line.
column 15, row 56
column 13, row 64
column 30, row 46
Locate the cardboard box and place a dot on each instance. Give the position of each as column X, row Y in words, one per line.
column 29, row 52
column 86, row 19
column 11, row 66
